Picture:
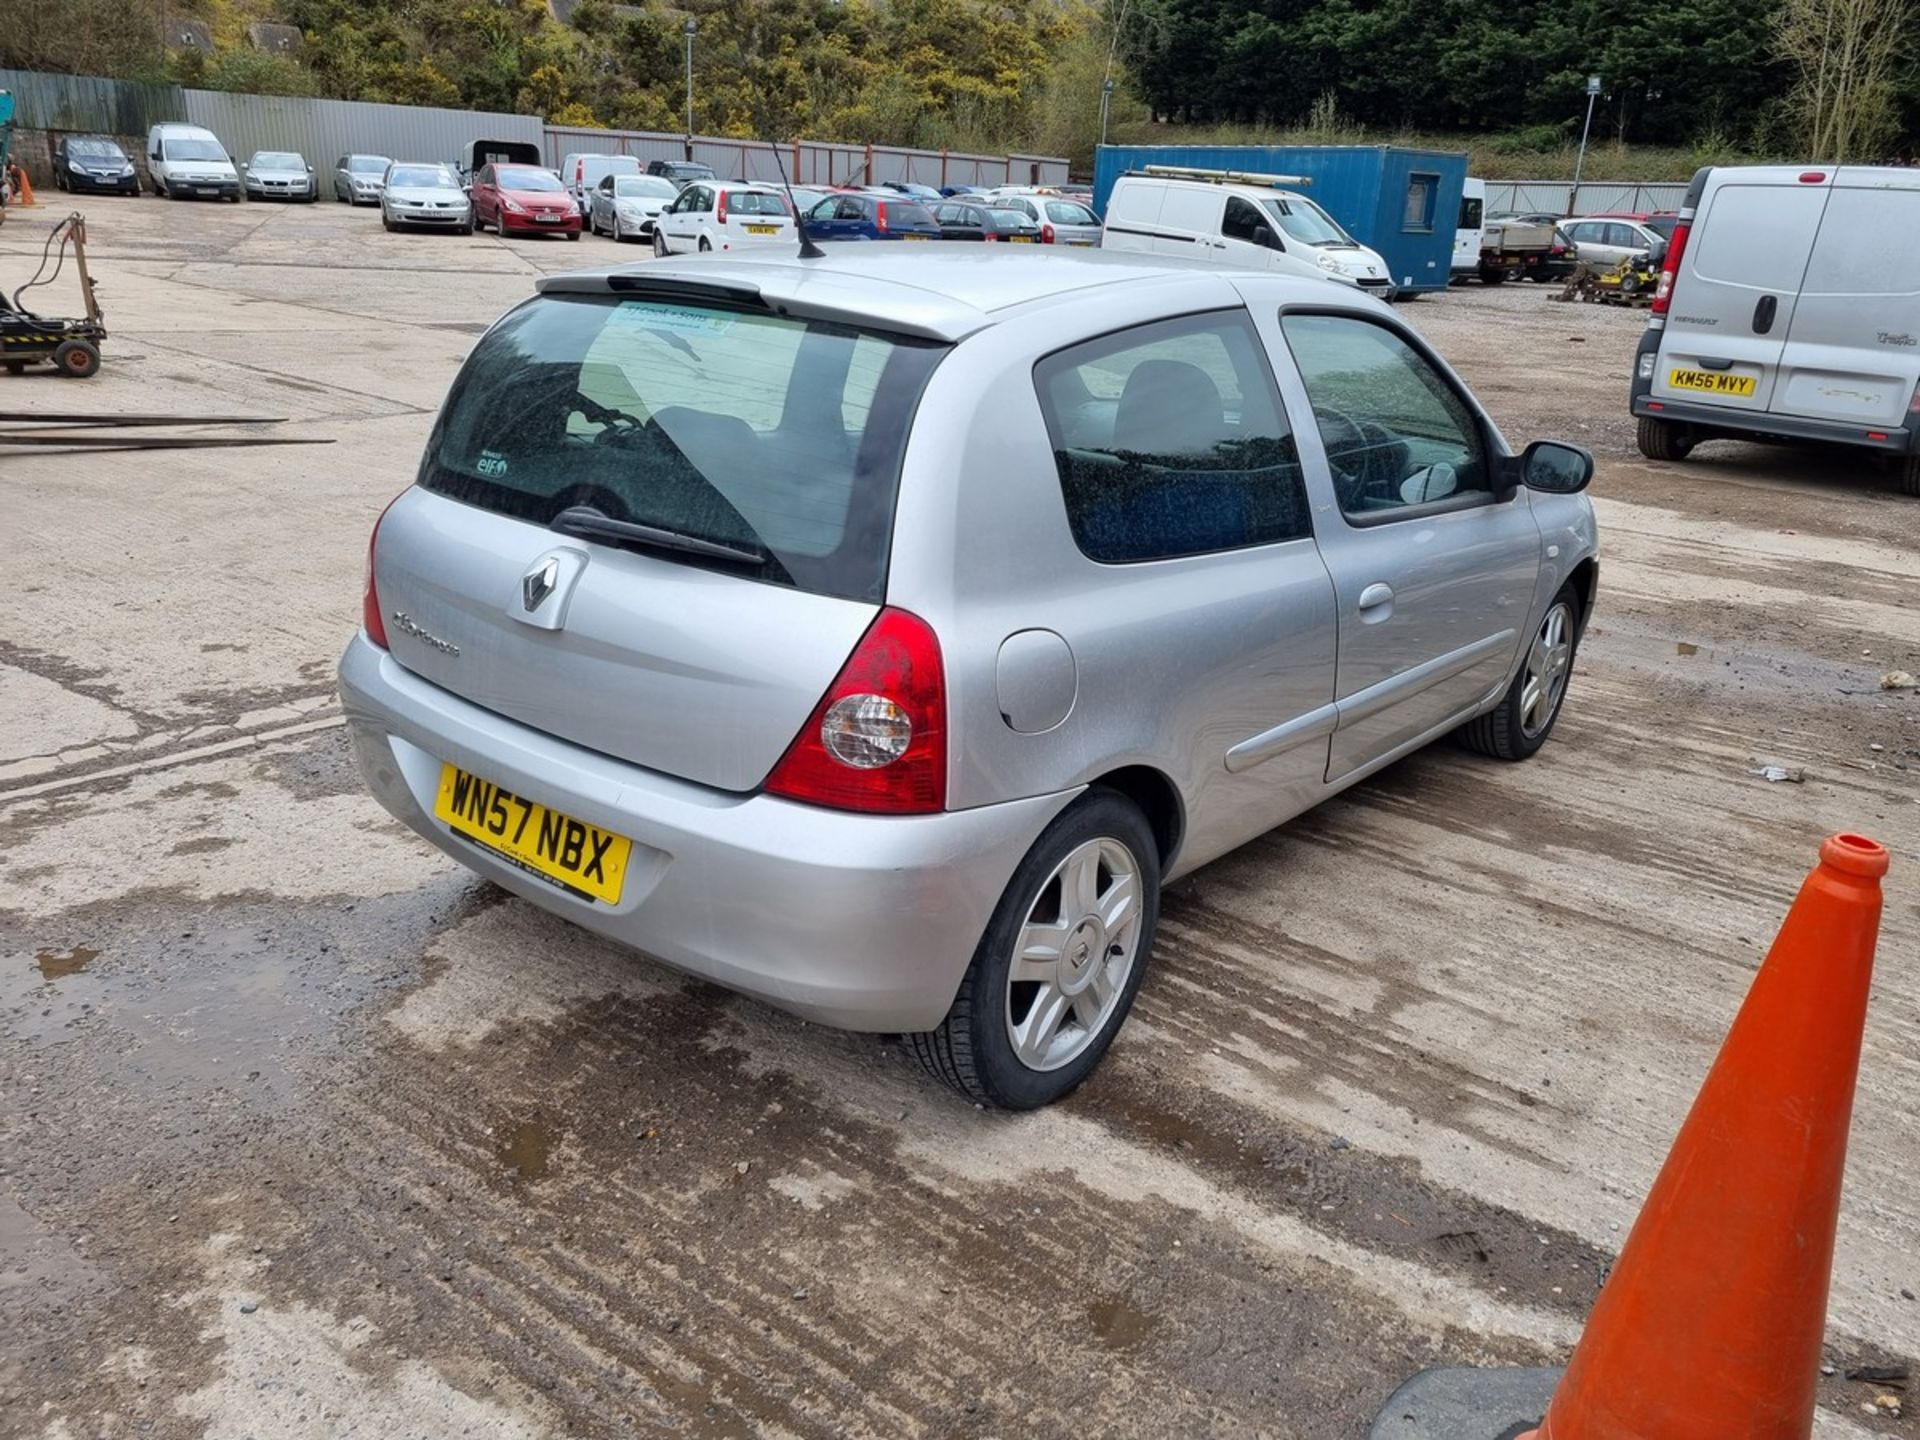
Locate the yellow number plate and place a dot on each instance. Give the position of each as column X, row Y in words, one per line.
column 559, row 849
column 1021, row 239
column 1711, row 382
column 915, row 237
column 763, row 229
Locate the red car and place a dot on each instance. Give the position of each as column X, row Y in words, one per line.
column 523, row 200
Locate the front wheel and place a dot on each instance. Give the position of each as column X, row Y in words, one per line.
column 79, row 359
column 1520, row 724
column 1054, row 976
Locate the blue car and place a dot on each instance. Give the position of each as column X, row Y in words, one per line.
column 871, row 217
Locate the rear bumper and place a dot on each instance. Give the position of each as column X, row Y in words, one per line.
column 860, row 922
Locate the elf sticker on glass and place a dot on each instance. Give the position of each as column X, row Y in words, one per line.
column 492, row 464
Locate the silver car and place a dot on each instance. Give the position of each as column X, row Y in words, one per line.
column 876, row 634
column 357, row 179
column 428, row 195
column 279, row 175
column 625, row 207
column 1062, row 221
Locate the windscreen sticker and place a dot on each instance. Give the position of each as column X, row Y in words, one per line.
column 492, row 464
column 655, row 316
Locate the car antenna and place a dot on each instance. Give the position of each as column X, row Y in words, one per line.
column 808, row 250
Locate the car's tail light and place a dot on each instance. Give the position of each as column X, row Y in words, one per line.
column 1046, row 232
column 1670, row 267
column 880, row 217
column 1913, row 405
column 990, row 238
column 877, row 741
column 720, row 209
column 371, row 619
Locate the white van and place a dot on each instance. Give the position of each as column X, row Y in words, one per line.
column 185, row 161
column 582, row 173
column 1471, row 233
column 1233, row 218
column 1788, row 308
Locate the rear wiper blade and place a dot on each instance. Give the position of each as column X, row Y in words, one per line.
column 591, row 523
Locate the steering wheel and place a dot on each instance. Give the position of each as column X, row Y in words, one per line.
column 1367, row 460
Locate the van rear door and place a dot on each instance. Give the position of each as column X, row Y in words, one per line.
column 1133, row 214
column 1853, row 348
column 1740, row 276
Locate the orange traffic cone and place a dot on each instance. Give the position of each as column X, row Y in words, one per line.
column 1712, row 1321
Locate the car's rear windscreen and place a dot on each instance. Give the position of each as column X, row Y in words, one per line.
column 732, row 426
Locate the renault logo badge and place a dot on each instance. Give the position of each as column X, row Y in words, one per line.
column 537, row 584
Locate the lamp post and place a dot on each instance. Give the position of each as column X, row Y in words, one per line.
column 1106, row 104
column 1593, row 93
column 689, row 30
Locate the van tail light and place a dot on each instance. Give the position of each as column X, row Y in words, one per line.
column 720, row 209
column 1913, row 405
column 1670, row 267
column 877, row 741
column 880, row 217
column 371, row 619
column 1046, row 233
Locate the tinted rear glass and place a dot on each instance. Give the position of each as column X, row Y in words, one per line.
column 725, row 425
column 755, row 202
column 908, row 212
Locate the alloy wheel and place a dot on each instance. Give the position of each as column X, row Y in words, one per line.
column 1549, row 662
column 1074, row 954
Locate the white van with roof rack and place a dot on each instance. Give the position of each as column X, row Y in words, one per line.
column 1237, row 218
column 1788, row 308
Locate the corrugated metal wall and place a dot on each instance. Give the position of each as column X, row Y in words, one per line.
column 1364, row 187
column 87, row 102
column 812, row 162
column 1556, row 197
column 324, row 130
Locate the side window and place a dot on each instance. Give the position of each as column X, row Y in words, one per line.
column 1241, row 220
column 1170, row 440
column 1397, row 434
column 1422, row 194
column 847, row 209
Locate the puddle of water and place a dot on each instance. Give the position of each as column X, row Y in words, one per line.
column 58, row 964
column 526, row 1148
column 1684, row 648
column 1117, row 1324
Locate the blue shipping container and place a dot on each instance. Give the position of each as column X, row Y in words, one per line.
column 1403, row 203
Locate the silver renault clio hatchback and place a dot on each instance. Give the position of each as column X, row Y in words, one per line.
column 877, row 634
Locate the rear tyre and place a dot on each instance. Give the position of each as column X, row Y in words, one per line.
column 1056, row 971
column 1492, row 275
column 1662, row 439
column 1910, row 476
column 659, row 244
column 706, row 245
column 1525, row 716
column 15, row 367
column 79, row 359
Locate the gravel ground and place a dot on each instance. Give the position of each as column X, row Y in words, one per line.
column 304, row 1132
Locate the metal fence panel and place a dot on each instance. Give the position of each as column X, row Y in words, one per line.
column 70, row 103
column 1557, row 197
column 323, row 130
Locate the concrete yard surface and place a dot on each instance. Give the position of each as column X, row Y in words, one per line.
column 304, row 1131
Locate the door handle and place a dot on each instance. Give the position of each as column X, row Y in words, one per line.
column 1763, row 314
column 1376, row 595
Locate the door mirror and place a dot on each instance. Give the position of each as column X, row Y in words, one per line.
column 1554, row 467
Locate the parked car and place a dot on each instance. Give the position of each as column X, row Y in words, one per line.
column 734, row 618
column 805, row 197
column 723, row 215
column 1788, row 308
column 910, row 189
column 187, row 162
column 1061, row 221
column 983, row 220
column 357, row 178
column 280, row 175
column 523, row 200
column 1243, row 220
column 1075, row 190
column 1607, row 243
column 681, row 172
column 1660, row 222
column 863, row 215
column 424, row 194
column 626, row 206
column 93, row 163
column 582, row 174
column 1527, row 217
